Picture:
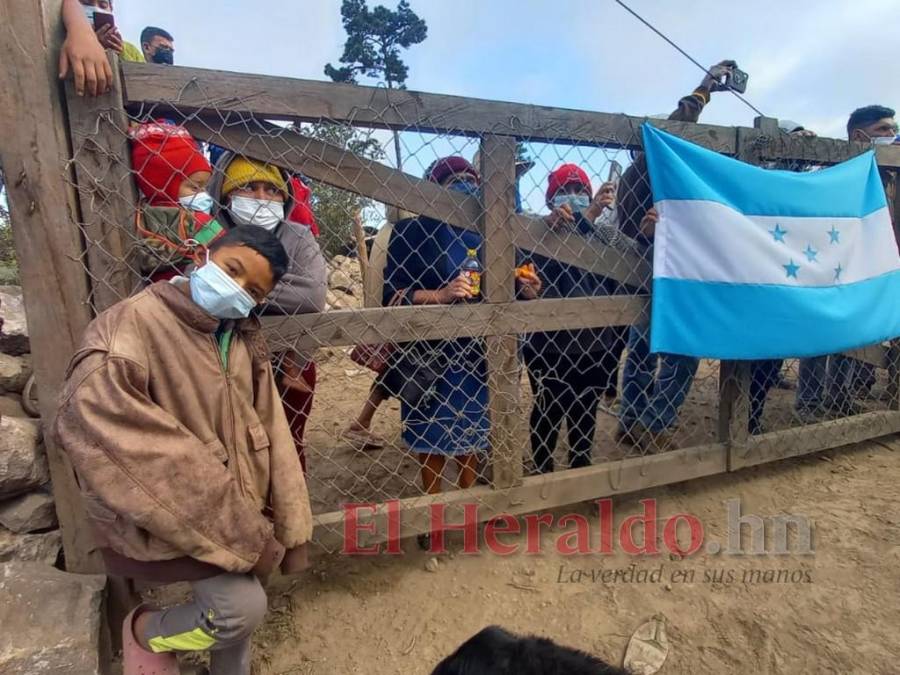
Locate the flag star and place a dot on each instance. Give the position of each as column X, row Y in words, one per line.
column 778, row 233
column 810, row 253
column 835, row 235
column 837, row 272
column 791, row 269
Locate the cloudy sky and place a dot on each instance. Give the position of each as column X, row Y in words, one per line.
column 809, row 61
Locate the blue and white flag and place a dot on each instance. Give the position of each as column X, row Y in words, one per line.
column 750, row 263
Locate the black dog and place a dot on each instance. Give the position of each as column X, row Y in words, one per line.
column 495, row 651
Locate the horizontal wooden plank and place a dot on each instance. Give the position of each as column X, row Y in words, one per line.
column 816, row 150
column 431, row 322
column 535, row 493
column 191, row 90
column 814, row 437
column 338, row 167
column 534, row 235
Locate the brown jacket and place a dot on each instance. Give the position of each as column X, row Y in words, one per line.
column 175, row 456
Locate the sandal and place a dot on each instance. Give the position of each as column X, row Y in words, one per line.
column 362, row 439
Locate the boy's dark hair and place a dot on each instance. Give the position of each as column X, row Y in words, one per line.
column 866, row 115
column 151, row 32
column 260, row 240
column 495, row 651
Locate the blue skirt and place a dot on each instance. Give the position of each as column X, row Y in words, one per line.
column 453, row 418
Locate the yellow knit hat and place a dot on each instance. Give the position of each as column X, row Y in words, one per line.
column 242, row 171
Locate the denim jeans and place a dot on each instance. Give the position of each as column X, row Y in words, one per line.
column 651, row 396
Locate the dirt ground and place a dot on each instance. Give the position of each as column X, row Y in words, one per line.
column 832, row 611
column 339, row 473
column 839, row 615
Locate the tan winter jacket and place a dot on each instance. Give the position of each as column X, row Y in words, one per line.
column 175, row 455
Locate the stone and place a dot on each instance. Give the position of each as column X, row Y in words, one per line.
column 57, row 619
column 339, row 300
column 11, row 406
column 340, row 280
column 23, row 464
column 30, row 512
column 13, row 327
column 42, row 548
column 14, row 373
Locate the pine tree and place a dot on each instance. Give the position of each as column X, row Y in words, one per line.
column 374, row 40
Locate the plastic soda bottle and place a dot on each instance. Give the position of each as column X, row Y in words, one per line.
column 471, row 269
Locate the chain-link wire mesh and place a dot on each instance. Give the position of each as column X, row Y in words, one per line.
column 406, row 410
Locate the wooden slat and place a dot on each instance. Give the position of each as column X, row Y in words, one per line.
column 734, row 404
column 535, row 493
column 338, row 167
column 189, row 90
column 815, row 437
column 818, row 150
column 99, row 126
column 533, row 235
column 498, row 172
column 403, row 324
column 33, row 152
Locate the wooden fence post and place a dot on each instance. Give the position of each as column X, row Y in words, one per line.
column 34, row 151
column 102, row 162
column 498, row 158
column 735, row 376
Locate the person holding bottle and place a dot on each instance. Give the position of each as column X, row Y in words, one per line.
column 441, row 383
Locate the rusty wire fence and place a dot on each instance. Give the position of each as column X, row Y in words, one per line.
column 533, row 391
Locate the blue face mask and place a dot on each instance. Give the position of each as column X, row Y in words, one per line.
column 467, row 187
column 199, row 201
column 219, row 294
column 577, row 203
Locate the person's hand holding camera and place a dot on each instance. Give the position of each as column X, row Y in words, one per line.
column 715, row 78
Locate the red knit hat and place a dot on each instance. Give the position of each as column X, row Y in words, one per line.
column 447, row 166
column 163, row 155
column 567, row 174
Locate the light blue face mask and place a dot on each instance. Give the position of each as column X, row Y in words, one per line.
column 219, row 294
column 89, row 13
column 577, row 203
column 200, row 201
column 466, row 187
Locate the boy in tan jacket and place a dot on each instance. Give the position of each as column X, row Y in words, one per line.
column 172, row 421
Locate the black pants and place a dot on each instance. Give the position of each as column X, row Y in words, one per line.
column 567, row 388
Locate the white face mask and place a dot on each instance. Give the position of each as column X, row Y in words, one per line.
column 264, row 213
column 199, row 201
column 883, row 140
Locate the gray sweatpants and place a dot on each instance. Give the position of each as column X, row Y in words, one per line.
column 222, row 617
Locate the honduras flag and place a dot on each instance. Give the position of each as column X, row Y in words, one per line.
column 750, row 263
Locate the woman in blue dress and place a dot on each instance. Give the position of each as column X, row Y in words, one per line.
column 441, row 383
